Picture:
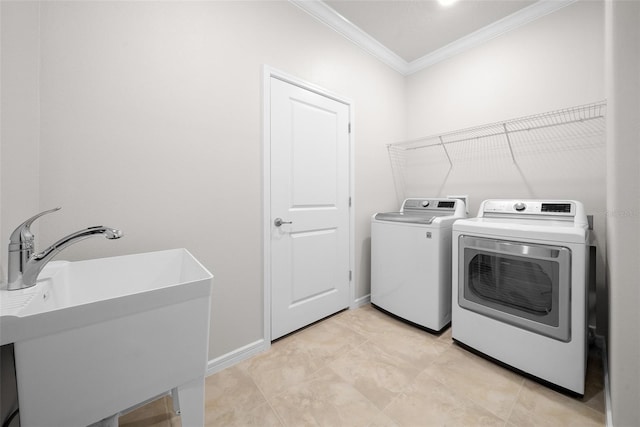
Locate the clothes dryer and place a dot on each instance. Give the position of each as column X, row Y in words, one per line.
column 520, row 287
column 411, row 261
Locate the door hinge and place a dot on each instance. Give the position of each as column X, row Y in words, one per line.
column 350, row 275
column 349, row 127
column 349, row 201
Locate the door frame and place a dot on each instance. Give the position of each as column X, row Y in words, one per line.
column 268, row 73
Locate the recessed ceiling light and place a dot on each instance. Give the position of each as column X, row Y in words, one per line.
column 447, row 2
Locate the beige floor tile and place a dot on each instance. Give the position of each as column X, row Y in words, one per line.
column 326, row 341
column 324, row 400
column 488, row 384
column 295, row 357
column 232, row 388
column 258, row 416
column 370, row 322
column 377, row 374
column 365, row 368
column 382, row 420
column 445, row 336
column 538, row 405
column 158, row 413
column 412, row 345
column 429, row 403
column 284, row 365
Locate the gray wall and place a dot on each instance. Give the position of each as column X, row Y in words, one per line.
column 20, row 103
column 147, row 117
column 623, row 208
column 19, row 161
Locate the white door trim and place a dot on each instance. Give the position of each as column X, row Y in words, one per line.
column 267, row 74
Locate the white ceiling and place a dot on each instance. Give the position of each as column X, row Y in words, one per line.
column 410, row 35
column 415, row 28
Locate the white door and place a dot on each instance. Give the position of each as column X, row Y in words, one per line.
column 310, row 194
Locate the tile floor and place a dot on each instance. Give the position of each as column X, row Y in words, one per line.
column 364, row 368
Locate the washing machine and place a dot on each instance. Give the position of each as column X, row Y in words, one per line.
column 520, row 287
column 411, row 261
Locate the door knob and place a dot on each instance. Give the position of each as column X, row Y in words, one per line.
column 278, row 222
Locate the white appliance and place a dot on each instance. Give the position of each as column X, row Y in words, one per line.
column 520, row 287
column 411, row 261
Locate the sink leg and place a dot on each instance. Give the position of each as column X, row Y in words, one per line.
column 176, row 400
column 190, row 403
column 111, row 421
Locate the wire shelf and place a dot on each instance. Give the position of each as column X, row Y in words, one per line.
column 580, row 116
column 514, row 141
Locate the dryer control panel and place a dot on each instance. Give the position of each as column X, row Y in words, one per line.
column 549, row 210
column 531, row 207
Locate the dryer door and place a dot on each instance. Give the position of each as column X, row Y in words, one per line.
column 526, row 285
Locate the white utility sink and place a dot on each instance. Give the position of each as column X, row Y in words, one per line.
column 94, row 338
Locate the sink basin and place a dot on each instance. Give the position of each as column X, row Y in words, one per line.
column 73, row 294
column 93, row 338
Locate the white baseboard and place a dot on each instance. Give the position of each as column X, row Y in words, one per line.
column 359, row 302
column 236, row 356
column 601, row 343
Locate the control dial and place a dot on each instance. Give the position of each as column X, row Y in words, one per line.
column 425, row 203
column 519, row 206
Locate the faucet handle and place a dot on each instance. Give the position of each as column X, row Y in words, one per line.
column 22, row 234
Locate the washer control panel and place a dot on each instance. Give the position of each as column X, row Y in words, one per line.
column 429, row 204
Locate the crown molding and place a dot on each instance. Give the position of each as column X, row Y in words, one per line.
column 328, row 16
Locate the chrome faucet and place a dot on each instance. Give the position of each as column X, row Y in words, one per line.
column 24, row 266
